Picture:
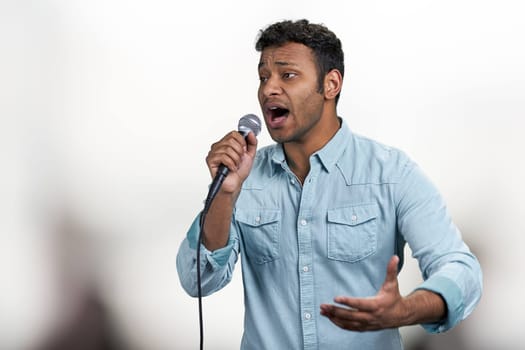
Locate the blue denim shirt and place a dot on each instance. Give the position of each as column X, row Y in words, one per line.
column 302, row 245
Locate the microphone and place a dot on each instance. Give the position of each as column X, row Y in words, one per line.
column 248, row 123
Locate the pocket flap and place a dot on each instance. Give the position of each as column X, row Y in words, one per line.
column 353, row 215
column 257, row 217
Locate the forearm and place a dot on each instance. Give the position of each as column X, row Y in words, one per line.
column 423, row 306
column 217, row 222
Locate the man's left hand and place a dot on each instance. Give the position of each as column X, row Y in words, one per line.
column 386, row 309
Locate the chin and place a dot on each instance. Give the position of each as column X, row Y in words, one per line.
column 277, row 136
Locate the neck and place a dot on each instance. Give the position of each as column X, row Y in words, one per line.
column 298, row 152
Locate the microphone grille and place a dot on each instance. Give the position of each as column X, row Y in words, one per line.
column 249, row 122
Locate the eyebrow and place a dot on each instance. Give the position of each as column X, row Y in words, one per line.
column 279, row 63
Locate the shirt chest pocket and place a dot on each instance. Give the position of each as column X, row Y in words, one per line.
column 260, row 233
column 352, row 232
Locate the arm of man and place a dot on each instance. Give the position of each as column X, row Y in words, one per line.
column 452, row 275
column 237, row 154
column 219, row 250
column 387, row 309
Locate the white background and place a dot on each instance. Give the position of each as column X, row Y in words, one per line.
column 108, row 108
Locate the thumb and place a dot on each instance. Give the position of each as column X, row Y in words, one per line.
column 391, row 272
column 251, row 144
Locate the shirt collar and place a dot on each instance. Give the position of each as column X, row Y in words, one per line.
column 334, row 149
column 278, row 158
column 328, row 155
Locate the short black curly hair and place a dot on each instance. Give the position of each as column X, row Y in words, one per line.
column 325, row 45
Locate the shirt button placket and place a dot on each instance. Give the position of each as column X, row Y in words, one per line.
column 306, row 278
column 306, row 281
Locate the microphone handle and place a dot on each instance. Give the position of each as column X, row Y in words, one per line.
column 221, row 174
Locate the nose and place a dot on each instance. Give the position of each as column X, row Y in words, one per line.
column 271, row 87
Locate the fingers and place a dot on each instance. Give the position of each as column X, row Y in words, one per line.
column 350, row 319
column 363, row 304
column 228, row 151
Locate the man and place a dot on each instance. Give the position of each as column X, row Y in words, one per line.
column 321, row 217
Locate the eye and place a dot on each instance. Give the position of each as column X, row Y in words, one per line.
column 289, row 75
column 263, row 79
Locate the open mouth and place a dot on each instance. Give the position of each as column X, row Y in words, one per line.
column 277, row 116
column 278, row 112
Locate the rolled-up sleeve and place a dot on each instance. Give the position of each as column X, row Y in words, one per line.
column 448, row 266
column 216, row 267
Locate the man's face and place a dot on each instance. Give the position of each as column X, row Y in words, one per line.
column 288, row 92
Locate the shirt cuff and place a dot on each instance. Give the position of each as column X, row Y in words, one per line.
column 452, row 295
column 217, row 258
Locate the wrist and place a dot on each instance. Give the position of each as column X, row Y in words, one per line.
column 409, row 311
column 423, row 306
column 227, row 197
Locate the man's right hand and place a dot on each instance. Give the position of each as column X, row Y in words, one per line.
column 237, row 154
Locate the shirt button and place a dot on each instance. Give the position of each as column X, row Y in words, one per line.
column 307, row 315
column 305, row 269
column 258, row 219
column 354, row 217
column 292, row 181
column 303, row 222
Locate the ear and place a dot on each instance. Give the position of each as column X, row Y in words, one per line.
column 333, row 82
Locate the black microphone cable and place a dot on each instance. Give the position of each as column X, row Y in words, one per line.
column 248, row 123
